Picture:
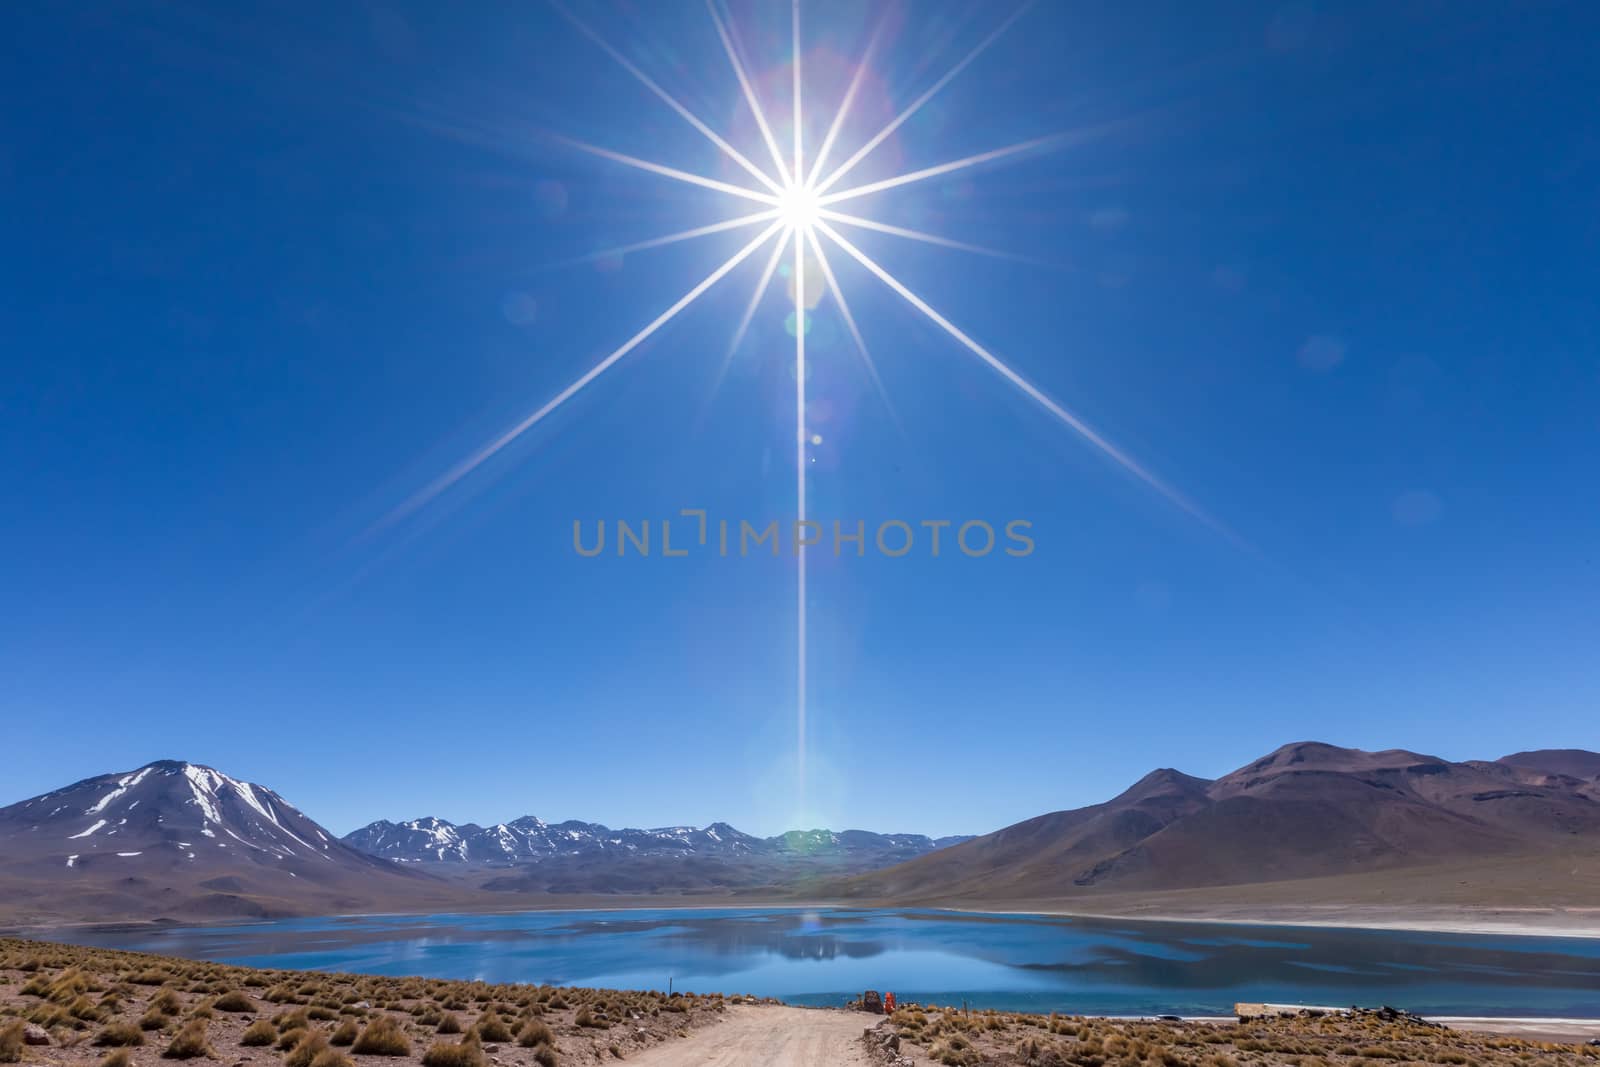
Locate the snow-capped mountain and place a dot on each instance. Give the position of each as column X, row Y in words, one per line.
column 529, row 839
column 184, row 832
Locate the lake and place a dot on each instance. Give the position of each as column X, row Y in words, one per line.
column 1032, row 963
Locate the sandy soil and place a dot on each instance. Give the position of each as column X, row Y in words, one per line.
column 774, row 1037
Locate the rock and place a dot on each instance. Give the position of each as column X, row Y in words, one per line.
column 871, row 1001
column 35, row 1035
column 891, row 1041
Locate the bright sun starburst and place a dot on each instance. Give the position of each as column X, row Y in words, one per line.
column 797, row 201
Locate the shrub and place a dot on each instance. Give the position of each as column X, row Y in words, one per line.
column 260, row 1032
column 166, row 1002
column 535, row 1033
column 449, row 1024
column 545, row 1056
column 490, row 1028
column 190, row 1042
column 291, row 1020
column 346, row 1033
column 118, row 1057
column 466, row 1053
column 11, row 1041
column 382, row 1037
column 288, row 1039
column 306, row 1050
column 332, row 1057
column 154, row 1020
column 120, row 1035
column 234, row 1001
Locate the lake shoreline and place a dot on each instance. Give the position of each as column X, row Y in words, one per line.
column 1489, row 921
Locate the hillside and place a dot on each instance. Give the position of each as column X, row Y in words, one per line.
column 1304, row 814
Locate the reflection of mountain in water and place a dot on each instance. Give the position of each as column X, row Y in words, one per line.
column 792, row 936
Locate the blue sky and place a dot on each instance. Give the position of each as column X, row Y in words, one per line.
column 1325, row 269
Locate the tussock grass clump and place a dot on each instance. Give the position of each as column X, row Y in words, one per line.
column 120, row 1035
column 465, row 1053
column 590, row 1020
column 382, row 1037
column 331, row 1057
column 11, row 1041
column 449, row 1024
column 345, row 1034
column 306, row 1049
column 288, row 1039
column 545, row 1056
column 261, row 1032
column 118, row 1057
column 535, row 1033
column 190, row 1043
column 234, row 1001
column 490, row 1027
column 166, row 1002
column 291, row 1020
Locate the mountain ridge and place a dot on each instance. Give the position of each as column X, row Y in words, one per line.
column 432, row 840
column 1306, row 810
column 1306, row 821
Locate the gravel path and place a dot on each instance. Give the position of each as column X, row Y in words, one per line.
column 770, row 1036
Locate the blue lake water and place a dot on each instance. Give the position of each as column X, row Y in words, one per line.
column 1035, row 963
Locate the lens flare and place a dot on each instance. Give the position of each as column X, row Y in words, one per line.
column 799, row 209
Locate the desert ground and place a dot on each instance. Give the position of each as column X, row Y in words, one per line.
column 79, row 1007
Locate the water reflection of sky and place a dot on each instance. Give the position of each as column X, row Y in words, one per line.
column 1020, row 962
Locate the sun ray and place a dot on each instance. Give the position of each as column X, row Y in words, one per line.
column 472, row 462
column 846, row 104
column 671, row 101
column 916, row 105
column 744, row 321
column 671, row 239
column 800, row 503
column 728, row 45
column 855, row 332
column 666, row 171
column 942, row 168
column 799, row 164
column 1067, row 418
column 928, row 238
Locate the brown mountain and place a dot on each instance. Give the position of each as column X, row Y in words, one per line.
column 1307, row 811
column 1572, row 762
column 179, row 839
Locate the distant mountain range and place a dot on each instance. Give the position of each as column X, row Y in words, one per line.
column 183, row 840
column 531, row 840
column 1307, row 811
column 1307, row 823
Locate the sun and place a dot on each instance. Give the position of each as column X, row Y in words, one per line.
column 800, row 207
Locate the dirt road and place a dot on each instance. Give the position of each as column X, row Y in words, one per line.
column 770, row 1036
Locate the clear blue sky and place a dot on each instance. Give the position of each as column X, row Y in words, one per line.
column 1328, row 269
